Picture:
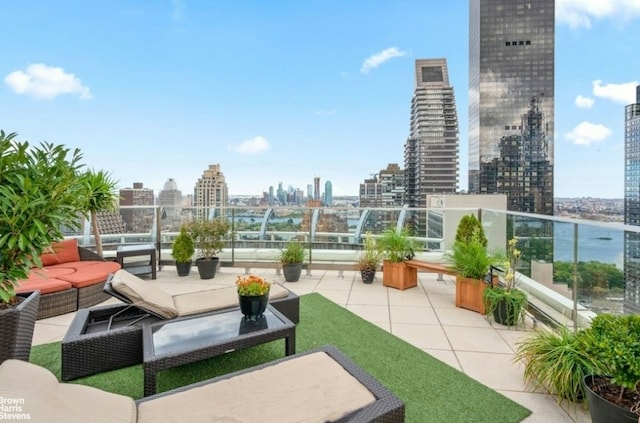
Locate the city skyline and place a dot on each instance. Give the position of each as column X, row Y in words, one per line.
column 290, row 91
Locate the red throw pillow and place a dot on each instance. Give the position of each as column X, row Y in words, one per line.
column 49, row 257
column 66, row 250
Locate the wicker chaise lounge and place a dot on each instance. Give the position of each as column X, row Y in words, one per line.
column 321, row 385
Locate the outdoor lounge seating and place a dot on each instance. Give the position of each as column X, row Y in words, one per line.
column 321, row 385
column 144, row 295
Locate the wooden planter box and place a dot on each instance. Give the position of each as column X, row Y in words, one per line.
column 469, row 293
column 399, row 275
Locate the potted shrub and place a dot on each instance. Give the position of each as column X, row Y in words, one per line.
column 471, row 263
column 102, row 195
column 253, row 296
column 397, row 247
column 505, row 301
column 41, row 191
column 291, row 257
column 557, row 361
column 182, row 250
column 208, row 236
column 613, row 395
column 369, row 260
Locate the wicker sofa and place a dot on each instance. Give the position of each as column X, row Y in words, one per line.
column 321, row 385
column 71, row 278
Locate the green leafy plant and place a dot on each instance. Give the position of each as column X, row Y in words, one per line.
column 397, row 246
column 470, row 228
column 208, row 236
column 293, row 253
column 252, row 285
column 41, row 192
column 556, row 360
column 469, row 257
column 371, row 255
column 102, row 195
column 183, row 247
column 506, row 300
column 613, row 341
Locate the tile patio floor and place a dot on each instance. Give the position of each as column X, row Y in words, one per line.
column 424, row 316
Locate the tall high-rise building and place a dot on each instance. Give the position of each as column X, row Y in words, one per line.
column 211, row 192
column 431, row 152
column 137, row 219
column 328, row 193
column 170, row 199
column 511, row 101
column 632, row 205
column 385, row 189
column 316, row 188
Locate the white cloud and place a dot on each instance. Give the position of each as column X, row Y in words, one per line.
column 587, row 133
column 579, row 13
column 584, row 102
column 253, row 146
column 377, row 59
column 45, row 82
column 624, row 93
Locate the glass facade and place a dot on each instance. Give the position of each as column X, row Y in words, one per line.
column 632, row 204
column 511, row 101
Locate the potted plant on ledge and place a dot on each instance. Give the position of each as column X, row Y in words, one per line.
column 506, row 302
column 41, row 191
column 369, row 260
column 291, row 257
column 208, row 236
column 398, row 247
column 182, row 250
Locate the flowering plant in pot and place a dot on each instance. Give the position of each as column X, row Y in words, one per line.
column 505, row 301
column 253, row 295
column 370, row 259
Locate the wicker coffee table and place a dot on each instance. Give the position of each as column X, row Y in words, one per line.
column 176, row 342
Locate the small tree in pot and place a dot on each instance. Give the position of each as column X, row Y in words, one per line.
column 41, row 191
column 208, row 235
column 182, row 250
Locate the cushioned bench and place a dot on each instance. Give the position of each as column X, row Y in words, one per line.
column 321, row 385
column 72, row 277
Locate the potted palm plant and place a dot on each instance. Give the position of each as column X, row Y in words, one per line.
column 182, row 250
column 398, row 246
column 369, row 260
column 102, row 195
column 41, row 191
column 208, row 236
column 505, row 301
column 471, row 263
column 291, row 257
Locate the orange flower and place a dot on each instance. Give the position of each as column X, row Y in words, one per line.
column 252, row 285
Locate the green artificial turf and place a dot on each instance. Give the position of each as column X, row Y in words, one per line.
column 431, row 390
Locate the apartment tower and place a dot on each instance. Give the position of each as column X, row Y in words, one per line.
column 431, row 152
column 511, row 101
column 632, row 205
column 211, row 195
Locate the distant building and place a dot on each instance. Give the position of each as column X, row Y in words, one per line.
column 170, row 201
column 316, row 188
column 211, row 193
column 138, row 219
column 632, row 205
column 328, row 193
column 511, row 66
column 384, row 190
column 431, row 152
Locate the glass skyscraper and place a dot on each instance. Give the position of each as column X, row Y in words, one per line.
column 511, row 101
column 632, row 205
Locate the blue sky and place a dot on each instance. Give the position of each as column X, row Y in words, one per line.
column 283, row 91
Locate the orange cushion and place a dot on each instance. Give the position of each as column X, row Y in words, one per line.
column 49, row 272
column 90, row 275
column 45, row 286
column 61, row 252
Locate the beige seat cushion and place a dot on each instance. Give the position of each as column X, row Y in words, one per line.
column 36, row 392
column 310, row 388
column 143, row 294
column 217, row 299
